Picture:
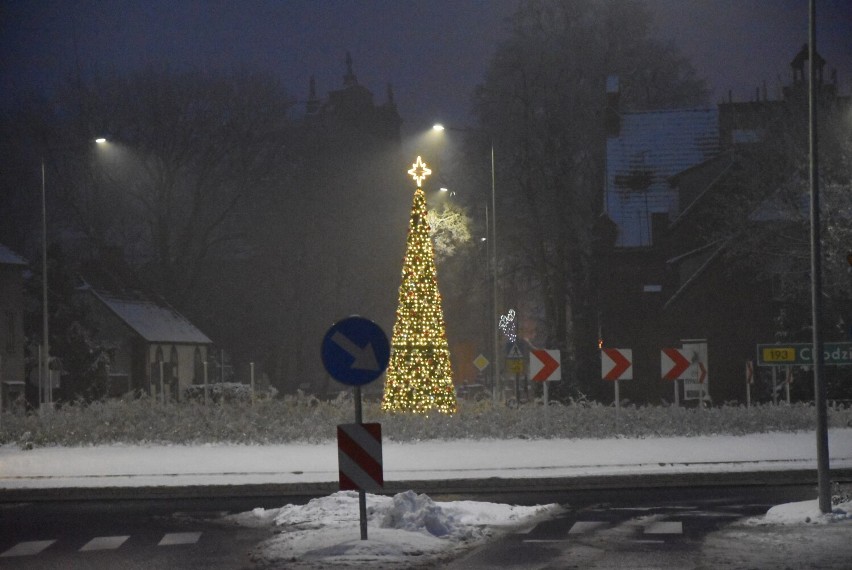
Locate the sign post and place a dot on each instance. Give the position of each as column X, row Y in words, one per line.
column 696, row 379
column 749, row 381
column 802, row 354
column 515, row 364
column 617, row 364
column 545, row 366
column 356, row 351
column 674, row 363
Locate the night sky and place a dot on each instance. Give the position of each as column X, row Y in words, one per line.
column 433, row 51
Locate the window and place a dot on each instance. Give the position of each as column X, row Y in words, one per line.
column 173, row 362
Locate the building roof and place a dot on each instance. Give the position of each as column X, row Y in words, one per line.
column 651, row 147
column 9, row 257
column 153, row 321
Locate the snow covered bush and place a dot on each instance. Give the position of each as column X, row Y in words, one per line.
column 305, row 418
column 227, row 392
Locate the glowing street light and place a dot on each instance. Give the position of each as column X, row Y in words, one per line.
column 495, row 316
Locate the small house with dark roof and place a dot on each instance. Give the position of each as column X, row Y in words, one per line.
column 12, row 362
column 156, row 350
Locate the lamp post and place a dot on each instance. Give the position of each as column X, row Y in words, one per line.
column 45, row 383
column 498, row 384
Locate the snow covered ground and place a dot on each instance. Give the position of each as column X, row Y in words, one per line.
column 410, row 530
column 176, row 465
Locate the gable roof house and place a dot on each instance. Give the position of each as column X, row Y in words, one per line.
column 12, row 362
column 156, row 350
column 665, row 278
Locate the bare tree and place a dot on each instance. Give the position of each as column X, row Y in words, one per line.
column 188, row 154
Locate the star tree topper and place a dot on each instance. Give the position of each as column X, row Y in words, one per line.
column 419, row 171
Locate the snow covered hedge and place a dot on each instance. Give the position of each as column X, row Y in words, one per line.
column 305, row 418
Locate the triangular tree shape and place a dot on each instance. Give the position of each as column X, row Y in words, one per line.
column 419, row 376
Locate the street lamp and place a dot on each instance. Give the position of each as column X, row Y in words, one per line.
column 44, row 379
column 498, row 384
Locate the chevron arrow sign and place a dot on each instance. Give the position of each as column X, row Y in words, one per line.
column 617, row 364
column 544, row 366
column 674, row 362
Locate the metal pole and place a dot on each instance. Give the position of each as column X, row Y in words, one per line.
column 498, row 384
column 362, row 495
column 748, row 391
column 489, row 310
column 251, row 365
column 358, row 409
column 45, row 368
column 162, row 385
column 787, row 378
column 676, row 393
column 775, row 385
column 40, row 376
column 816, row 276
column 617, row 404
column 205, row 382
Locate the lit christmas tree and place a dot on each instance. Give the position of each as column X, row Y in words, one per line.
column 419, row 376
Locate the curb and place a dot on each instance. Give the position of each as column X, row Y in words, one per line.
column 445, row 486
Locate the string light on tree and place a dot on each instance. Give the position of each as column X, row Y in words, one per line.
column 419, row 376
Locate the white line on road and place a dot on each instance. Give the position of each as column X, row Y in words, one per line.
column 581, row 527
column 104, row 543
column 175, row 538
column 28, row 548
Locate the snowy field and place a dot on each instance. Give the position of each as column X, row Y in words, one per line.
column 220, row 464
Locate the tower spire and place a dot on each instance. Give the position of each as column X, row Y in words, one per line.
column 349, row 79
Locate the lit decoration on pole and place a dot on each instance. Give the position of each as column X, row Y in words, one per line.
column 419, row 376
column 509, row 325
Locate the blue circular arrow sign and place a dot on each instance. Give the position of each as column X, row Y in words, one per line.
column 355, row 351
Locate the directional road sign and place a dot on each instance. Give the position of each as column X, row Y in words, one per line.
column 674, row 362
column 355, row 351
column 616, row 364
column 544, row 366
column 481, row 362
column 802, row 353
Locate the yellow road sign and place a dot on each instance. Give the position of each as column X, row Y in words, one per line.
column 779, row 354
column 480, row 362
column 515, row 366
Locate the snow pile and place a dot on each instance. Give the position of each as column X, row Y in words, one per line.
column 404, row 531
column 807, row 512
column 416, row 513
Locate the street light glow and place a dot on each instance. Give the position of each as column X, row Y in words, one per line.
column 100, row 140
column 493, row 246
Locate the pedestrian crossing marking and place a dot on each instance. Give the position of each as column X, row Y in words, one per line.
column 581, row 527
column 664, row 527
column 28, row 548
column 104, row 543
column 176, row 538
